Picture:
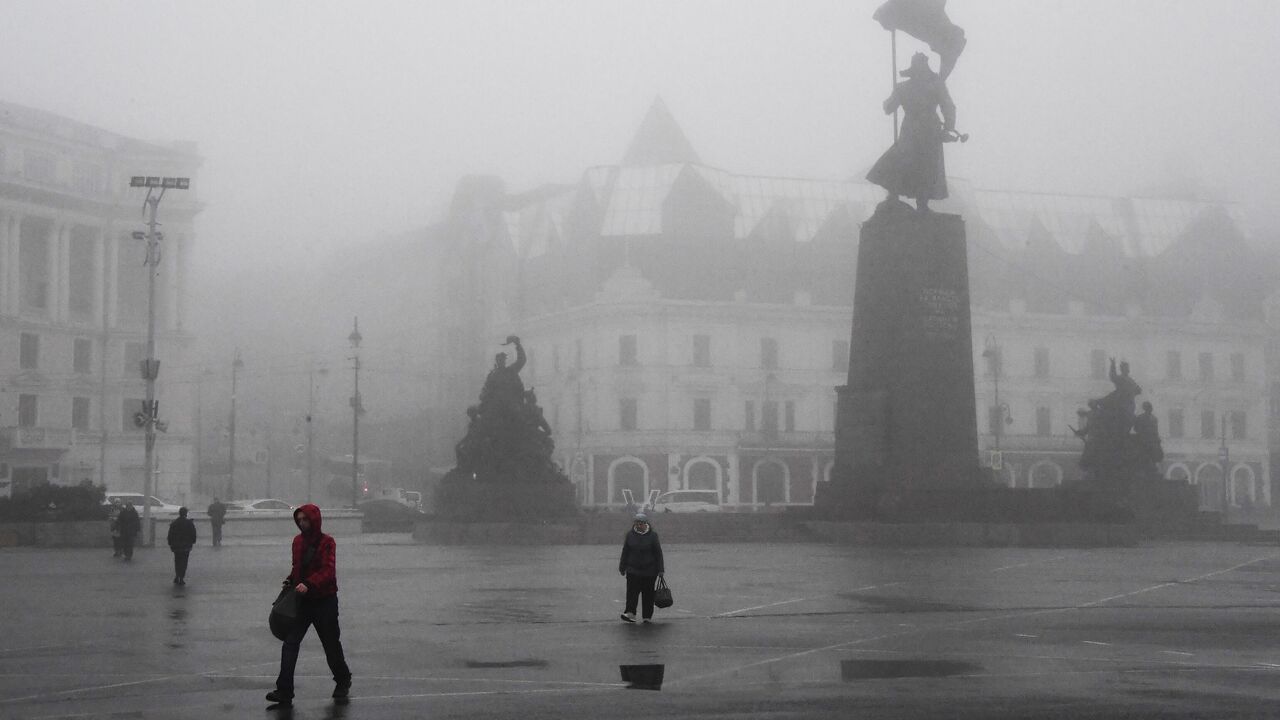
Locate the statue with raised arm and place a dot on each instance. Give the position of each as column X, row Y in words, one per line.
column 503, row 385
column 913, row 166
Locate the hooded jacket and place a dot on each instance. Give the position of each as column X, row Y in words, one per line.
column 182, row 533
column 321, row 574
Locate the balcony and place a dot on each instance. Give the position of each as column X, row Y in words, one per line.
column 37, row 438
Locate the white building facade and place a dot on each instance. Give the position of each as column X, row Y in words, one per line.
column 73, row 306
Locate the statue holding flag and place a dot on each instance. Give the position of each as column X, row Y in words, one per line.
column 914, row 166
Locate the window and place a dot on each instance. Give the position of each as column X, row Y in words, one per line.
column 1237, row 367
column 749, row 412
column 840, row 355
column 1208, row 429
column 627, row 350
column 29, row 351
column 83, row 360
column 1177, row 424
column 133, row 353
column 789, row 416
column 769, row 353
column 1044, row 425
column 1098, row 364
column 1206, row 366
column 80, row 413
column 627, row 413
column 995, row 416
column 1173, row 365
column 995, row 361
column 27, row 415
column 702, row 350
column 769, row 416
column 1238, row 430
column 701, row 414
column 80, row 276
column 128, row 408
column 1042, row 362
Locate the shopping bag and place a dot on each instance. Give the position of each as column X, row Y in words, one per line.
column 284, row 611
column 662, row 594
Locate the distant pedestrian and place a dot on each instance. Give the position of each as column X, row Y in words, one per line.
column 129, row 525
column 217, row 515
column 315, row 577
column 642, row 565
column 182, row 537
column 113, row 522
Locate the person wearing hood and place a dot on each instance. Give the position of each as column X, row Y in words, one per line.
column 314, row 575
column 182, row 537
column 642, row 565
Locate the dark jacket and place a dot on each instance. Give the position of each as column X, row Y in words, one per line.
column 217, row 513
column 641, row 554
column 321, row 574
column 128, row 522
column 182, row 535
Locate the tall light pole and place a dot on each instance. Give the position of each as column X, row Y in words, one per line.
column 991, row 352
column 231, row 471
column 354, row 338
column 311, row 411
column 150, row 365
column 1224, row 457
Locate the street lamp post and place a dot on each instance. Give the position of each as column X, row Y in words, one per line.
column 150, row 365
column 354, row 338
column 991, row 352
column 236, row 364
column 1224, row 458
column 311, row 411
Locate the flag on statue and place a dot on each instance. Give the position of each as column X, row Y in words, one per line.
column 925, row 20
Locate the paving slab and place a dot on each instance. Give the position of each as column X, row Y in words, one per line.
column 758, row 630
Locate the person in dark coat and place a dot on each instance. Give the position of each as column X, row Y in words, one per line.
column 217, row 515
column 113, row 522
column 128, row 523
column 182, row 537
column 642, row 565
column 315, row 577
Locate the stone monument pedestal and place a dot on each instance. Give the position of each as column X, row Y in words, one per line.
column 906, row 425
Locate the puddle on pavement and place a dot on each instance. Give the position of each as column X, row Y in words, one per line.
column 851, row 670
column 642, row 677
column 507, row 664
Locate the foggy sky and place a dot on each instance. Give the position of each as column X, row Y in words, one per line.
column 328, row 125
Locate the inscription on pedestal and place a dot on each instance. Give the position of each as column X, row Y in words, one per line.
column 939, row 313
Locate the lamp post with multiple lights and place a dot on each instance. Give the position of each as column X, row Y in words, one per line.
column 147, row 417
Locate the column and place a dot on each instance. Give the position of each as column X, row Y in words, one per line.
column 99, row 244
column 4, row 263
column 53, row 241
column 64, row 274
column 15, row 264
column 111, row 276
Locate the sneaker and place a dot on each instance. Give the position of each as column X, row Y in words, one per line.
column 342, row 689
column 276, row 697
column 628, row 617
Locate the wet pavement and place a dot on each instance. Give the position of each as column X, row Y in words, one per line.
column 1168, row 630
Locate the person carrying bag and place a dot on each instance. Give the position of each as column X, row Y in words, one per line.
column 642, row 565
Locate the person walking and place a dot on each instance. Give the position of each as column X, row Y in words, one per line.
column 217, row 515
column 182, row 537
column 314, row 576
column 113, row 522
column 128, row 524
column 642, row 565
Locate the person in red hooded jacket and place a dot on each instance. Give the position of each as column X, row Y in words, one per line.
column 317, row 586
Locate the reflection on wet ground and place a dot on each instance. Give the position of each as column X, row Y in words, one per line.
column 642, row 677
column 885, row 669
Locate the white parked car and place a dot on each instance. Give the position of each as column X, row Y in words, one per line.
column 158, row 507
column 261, row 506
column 688, row 501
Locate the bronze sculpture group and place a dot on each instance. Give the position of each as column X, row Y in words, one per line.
column 1119, row 445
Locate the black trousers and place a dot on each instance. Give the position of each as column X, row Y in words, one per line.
column 640, row 587
column 323, row 613
column 217, row 533
column 126, row 546
column 180, row 558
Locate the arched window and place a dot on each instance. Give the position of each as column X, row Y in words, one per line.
column 770, row 479
column 703, row 473
column 629, row 473
column 1045, row 474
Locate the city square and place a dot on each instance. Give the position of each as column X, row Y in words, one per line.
column 785, row 630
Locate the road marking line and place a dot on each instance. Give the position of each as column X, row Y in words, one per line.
column 761, row 607
column 112, row 686
column 1175, row 652
column 1094, row 642
column 1029, row 562
column 1023, row 635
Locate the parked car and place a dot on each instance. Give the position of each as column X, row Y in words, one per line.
column 688, row 501
column 261, row 506
column 158, row 506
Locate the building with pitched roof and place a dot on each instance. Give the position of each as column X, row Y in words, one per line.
column 687, row 325
column 73, row 306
